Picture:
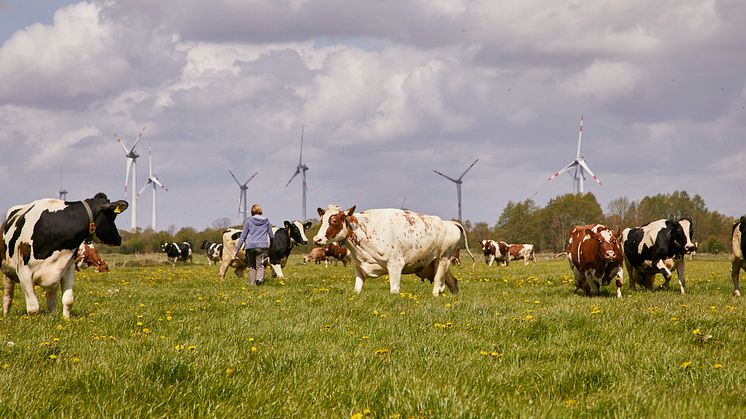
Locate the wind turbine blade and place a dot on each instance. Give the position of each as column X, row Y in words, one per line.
column 563, row 170
column 447, row 177
column 300, row 159
column 588, row 169
column 150, row 158
column 121, row 143
column 139, row 137
column 234, row 178
column 294, row 175
column 580, row 135
column 127, row 175
column 158, row 182
column 468, row 168
column 252, row 177
column 144, row 187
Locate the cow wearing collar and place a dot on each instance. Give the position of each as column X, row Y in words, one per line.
column 40, row 241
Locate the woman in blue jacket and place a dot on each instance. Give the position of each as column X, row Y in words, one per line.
column 257, row 233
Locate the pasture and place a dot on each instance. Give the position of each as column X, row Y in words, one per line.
column 177, row 342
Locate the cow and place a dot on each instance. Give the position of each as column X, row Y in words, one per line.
column 317, row 255
column 40, row 241
column 495, row 251
column 285, row 239
column 522, row 251
column 647, row 248
column 456, row 258
column 88, row 256
column 339, row 253
column 177, row 252
column 739, row 250
column 595, row 256
column 394, row 242
column 214, row 251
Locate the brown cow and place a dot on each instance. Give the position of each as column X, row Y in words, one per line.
column 595, row 257
column 88, row 256
column 522, row 251
column 317, row 255
column 338, row 252
column 495, row 251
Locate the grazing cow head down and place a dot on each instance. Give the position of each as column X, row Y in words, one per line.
column 333, row 227
column 297, row 231
column 682, row 234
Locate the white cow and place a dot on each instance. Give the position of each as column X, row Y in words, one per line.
column 394, row 242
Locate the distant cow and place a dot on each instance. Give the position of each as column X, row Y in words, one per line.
column 522, row 251
column 394, row 242
column 495, row 251
column 456, row 258
column 338, row 252
column 214, row 251
column 88, row 256
column 177, row 252
column 739, row 250
column 40, row 241
column 595, row 256
column 647, row 248
column 316, row 255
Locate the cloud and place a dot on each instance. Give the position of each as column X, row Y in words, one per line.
column 603, row 80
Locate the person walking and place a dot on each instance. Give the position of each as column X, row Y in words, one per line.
column 257, row 233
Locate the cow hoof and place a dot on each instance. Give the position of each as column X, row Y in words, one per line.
column 738, row 293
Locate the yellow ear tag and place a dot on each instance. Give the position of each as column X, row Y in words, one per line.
column 117, row 210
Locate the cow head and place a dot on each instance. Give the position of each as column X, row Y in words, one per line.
column 204, row 244
column 486, row 247
column 682, row 234
column 166, row 247
column 297, row 231
column 104, row 214
column 606, row 249
column 333, row 227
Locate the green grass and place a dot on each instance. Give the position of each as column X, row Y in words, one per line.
column 177, row 342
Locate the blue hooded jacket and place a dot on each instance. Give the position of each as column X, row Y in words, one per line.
column 257, row 232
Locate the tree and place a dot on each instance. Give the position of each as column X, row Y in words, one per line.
column 564, row 212
column 517, row 223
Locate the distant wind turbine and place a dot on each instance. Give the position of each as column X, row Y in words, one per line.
column 131, row 157
column 579, row 165
column 63, row 191
column 301, row 168
column 152, row 181
column 458, row 181
column 242, row 197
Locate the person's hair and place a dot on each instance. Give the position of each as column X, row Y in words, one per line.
column 256, row 209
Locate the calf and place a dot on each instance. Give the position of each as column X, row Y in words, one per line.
column 522, row 251
column 739, row 250
column 338, row 252
column 177, row 252
column 317, row 255
column 40, row 241
column 647, row 248
column 394, row 242
column 595, row 257
column 495, row 251
column 214, row 251
column 88, row 256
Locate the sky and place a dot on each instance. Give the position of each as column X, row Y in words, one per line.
column 384, row 91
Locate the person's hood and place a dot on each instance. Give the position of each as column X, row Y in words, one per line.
column 258, row 220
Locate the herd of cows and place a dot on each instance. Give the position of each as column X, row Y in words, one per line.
column 44, row 242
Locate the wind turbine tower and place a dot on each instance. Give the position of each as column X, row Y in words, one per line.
column 578, row 167
column 298, row 169
column 152, row 181
column 458, row 181
column 131, row 156
column 63, row 191
column 242, row 204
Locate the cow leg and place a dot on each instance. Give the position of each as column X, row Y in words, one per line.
column 441, row 270
column 27, row 285
column 680, row 275
column 663, row 270
column 395, row 267
column 525, row 260
column 451, row 282
column 277, row 270
column 735, row 273
column 619, row 281
column 223, row 269
column 9, row 287
column 490, row 259
column 359, row 279
column 51, row 296
column 68, row 278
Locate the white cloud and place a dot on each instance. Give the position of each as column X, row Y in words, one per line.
column 604, row 80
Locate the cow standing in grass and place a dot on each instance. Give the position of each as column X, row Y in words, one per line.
column 214, row 251
column 177, row 252
column 394, row 242
column 40, row 241
column 88, row 256
column 522, row 251
column 739, row 250
column 496, row 251
column 595, row 257
column 316, row 255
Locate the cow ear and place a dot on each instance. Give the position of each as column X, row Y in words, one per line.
column 351, row 210
column 321, row 212
column 307, row 225
column 117, row 207
column 287, row 224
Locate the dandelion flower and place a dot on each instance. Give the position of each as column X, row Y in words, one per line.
column 53, row 357
column 686, row 364
column 696, row 332
column 146, row 330
column 74, row 359
column 229, row 372
column 382, row 351
column 717, row 366
column 253, row 349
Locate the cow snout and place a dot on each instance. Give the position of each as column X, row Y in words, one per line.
column 610, row 255
column 320, row 241
column 690, row 248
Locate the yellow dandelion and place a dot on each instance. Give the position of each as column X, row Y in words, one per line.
column 686, row 364
column 253, row 349
column 74, row 359
column 142, row 305
column 365, row 337
column 251, row 339
column 717, row 366
column 146, row 330
column 44, row 344
column 696, row 332
column 327, row 327
column 229, row 372
column 484, row 353
column 179, row 347
column 375, row 312
column 529, row 317
column 571, row 402
column 6, row 366
column 191, row 347
column 382, row 351
column 139, row 323
column 60, row 327
column 674, row 318
column 55, row 339
column 53, row 357
column 595, row 310
column 357, row 415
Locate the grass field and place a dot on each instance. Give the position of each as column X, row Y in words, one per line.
column 516, row 342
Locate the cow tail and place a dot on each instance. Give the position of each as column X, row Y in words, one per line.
column 466, row 244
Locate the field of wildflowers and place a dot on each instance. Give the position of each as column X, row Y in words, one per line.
column 163, row 341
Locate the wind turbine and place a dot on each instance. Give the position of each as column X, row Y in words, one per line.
column 301, row 167
column 131, row 157
column 152, row 181
column 580, row 166
column 242, row 198
column 63, row 191
column 458, row 183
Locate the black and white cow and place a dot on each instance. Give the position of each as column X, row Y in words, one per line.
column 214, row 251
column 40, row 241
column 739, row 250
column 650, row 249
column 177, row 251
column 285, row 238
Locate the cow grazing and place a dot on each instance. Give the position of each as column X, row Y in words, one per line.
column 88, row 256
column 394, row 242
column 285, row 239
column 495, row 251
column 456, row 258
column 595, row 256
column 339, row 253
column 316, row 255
column 522, row 251
column 739, row 250
column 647, row 248
column 214, row 251
column 177, row 252
column 40, row 241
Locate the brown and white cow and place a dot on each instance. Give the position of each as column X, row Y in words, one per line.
column 339, row 253
column 394, row 242
column 595, row 256
column 522, row 251
column 316, row 255
column 88, row 256
column 739, row 250
column 495, row 251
